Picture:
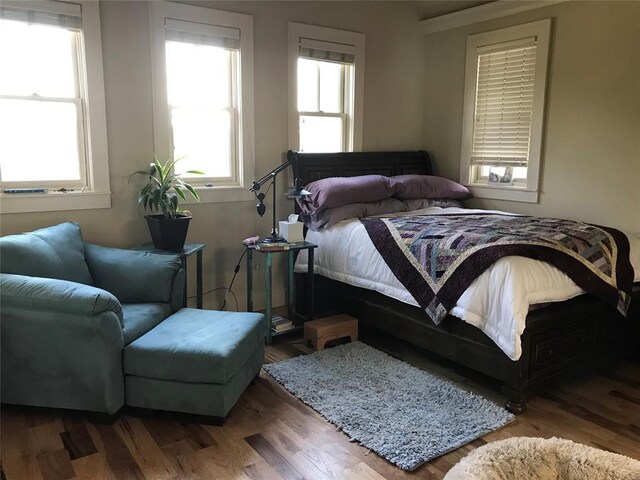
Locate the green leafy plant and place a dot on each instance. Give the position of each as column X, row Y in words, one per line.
column 164, row 188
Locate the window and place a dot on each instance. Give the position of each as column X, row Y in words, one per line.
column 52, row 116
column 503, row 111
column 326, row 78
column 203, row 87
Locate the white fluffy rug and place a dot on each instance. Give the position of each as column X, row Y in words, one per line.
column 525, row 458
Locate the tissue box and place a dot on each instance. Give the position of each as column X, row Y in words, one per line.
column 291, row 231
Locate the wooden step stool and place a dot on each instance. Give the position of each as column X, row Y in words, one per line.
column 319, row 332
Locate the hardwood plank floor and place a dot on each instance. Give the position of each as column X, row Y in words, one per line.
column 271, row 435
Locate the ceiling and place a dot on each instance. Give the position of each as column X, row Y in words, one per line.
column 433, row 8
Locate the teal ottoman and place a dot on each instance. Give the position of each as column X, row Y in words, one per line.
column 195, row 361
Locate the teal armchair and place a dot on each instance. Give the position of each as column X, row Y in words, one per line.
column 67, row 311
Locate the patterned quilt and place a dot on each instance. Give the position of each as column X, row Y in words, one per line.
column 437, row 257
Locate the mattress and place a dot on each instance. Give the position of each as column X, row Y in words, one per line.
column 497, row 302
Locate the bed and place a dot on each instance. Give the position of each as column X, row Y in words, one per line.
column 561, row 339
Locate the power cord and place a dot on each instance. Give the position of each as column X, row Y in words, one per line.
column 228, row 290
column 233, row 279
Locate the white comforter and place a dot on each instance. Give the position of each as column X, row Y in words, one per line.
column 497, row 302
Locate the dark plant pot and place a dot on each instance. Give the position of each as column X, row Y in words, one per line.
column 168, row 233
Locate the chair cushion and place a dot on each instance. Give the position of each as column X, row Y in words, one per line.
column 198, row 346
column 139, row 318
column 52, row 252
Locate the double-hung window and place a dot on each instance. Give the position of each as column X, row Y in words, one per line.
column 326, row 72
column 504, row 103
column 203, row 85
column 52, row 120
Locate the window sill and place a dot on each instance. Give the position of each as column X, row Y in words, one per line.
column 513, row 194
column 220, row 194
column 53, row 201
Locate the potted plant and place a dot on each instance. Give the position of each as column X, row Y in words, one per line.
column 168, row 227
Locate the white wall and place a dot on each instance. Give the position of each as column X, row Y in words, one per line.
column 591, row 152
column 394, row 88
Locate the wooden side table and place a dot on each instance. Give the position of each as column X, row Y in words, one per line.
column 290, row 250
column 188, row 250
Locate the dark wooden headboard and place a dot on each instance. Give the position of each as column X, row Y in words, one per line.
column 314, row 166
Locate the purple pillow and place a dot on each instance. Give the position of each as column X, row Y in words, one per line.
column 429, row 186
column 338, row 191
column 420, row 203
column 329, row 217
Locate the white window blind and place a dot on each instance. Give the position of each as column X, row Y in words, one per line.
column 60, row 14
column 202, row 34
column 327, row 51
column 504, row 103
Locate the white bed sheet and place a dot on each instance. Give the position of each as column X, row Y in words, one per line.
column 497, row 302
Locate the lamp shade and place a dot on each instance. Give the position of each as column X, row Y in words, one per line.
column 297, row 192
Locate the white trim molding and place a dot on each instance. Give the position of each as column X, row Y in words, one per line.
column 356, row 42
column 209, row 20
column 482, row 13
column 503, row 38
column 96, row 192
column 53, row 201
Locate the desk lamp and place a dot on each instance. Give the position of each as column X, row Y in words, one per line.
column 295, row 191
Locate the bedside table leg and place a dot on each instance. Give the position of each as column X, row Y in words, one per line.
column 267, row 288
column 310, row 289
column 249, row 280
column 183, row 261
column 291, row 292
column 199, row 279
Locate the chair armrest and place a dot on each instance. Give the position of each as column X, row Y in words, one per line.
column 60, row 345
column 134, row 276
column 53, row 295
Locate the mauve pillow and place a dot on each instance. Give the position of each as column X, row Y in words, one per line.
column 429, row 186
column 420, row 203
column 329, row 217
column 335, row 192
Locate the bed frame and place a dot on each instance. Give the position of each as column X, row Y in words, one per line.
column 560, row 340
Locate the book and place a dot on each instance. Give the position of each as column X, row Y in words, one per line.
column 277, row 320
column 284, row 328
column 281, row 324
column 270, row 247
column 25, row 190
column 277, row 246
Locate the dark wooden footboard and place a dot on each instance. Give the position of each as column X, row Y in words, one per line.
column 560, row 341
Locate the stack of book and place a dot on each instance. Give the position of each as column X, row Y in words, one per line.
column 281, row 325
column 273, row 246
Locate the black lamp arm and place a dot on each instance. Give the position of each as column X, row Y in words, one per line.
column 271, row 175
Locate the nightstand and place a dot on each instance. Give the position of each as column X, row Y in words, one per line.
column 188, row 250
column 290, row 250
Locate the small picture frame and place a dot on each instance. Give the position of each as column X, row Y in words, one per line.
column 500, row 176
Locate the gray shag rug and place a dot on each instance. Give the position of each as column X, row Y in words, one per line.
column 401, row 412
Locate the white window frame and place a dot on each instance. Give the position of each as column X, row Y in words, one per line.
column 96, row 191
column 519, row 191
column 233, row 191
column 344, row 113
column 353, row 137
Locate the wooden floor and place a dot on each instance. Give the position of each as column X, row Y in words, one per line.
column 272, row 435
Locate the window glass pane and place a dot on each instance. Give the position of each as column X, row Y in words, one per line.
column 198, row 74
column 330, row 86
column 307, row 85
column 519, row 173
column 202, row 136
column 36, row 59
column 38, row 141
column 321, row 134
